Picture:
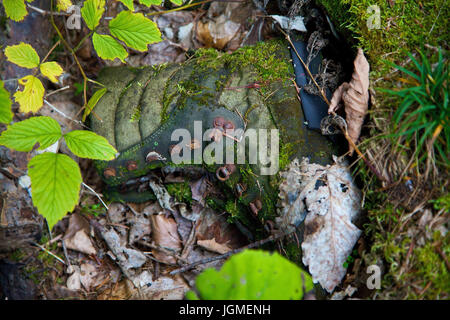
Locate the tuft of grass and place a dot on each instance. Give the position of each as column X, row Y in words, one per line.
column 423, row 114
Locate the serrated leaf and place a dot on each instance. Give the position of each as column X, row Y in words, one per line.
column 63, row 5
column 51, row 70
column 148, row 3
column 108, row 48
column 23, row 135
column 93, row 102
column 23, row 55
column 55, row 185
column 87, row 144
column 135, row 30
column 31, row 98
column 254, row 275
column 128, row 4
column 5, row 105
column 15, row 9
column 92, row 12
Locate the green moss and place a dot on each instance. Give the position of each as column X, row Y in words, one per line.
column 180, row 191
column 232, row 208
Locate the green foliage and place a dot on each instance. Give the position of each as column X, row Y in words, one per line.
column 16, row 9
column 55, row 185
column 24, row 135
column 30, row 99
column 5, row 105
column 108, row 48
column 92, row 12
column 93, row 102
column 253, row 275
column 128, row 4
column 135, row 30
column 424, row 110
column 87, row 144
column 180, row 191
column 55, row 178
column 23, row 55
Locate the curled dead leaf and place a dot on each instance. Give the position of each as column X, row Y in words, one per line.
column 165, row 235
column 355, row 96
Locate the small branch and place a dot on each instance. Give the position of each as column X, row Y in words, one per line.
column 56, row 91
column 64, row 115
column 96, row 194
column 45, row 12
column 164, row 250
column 50, row 253
column 228, row 254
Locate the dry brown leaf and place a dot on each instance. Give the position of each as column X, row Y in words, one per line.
column 212, row 245
column 77, row 235
column 355, row 96
column 165, row 234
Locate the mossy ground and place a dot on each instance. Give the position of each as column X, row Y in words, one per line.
column 415, row 266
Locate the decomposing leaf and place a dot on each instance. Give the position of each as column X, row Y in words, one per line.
column 355, row 96
column 126, row 258
column 212, row 245
column 165, row 235
column 161, row 194
column 77, row 235
column 90, row 275
column 333, row 203
column 215, row 226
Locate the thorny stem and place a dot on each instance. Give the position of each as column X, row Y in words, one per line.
column 344, row 130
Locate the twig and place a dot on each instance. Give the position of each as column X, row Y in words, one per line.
column 228, row 254
column 56, row 91
column 50, row 253
column 44, row 12
column 64, row 115
column 96, row 194
column 164, row 250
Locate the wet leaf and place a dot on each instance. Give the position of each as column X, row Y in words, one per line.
column 24, row 135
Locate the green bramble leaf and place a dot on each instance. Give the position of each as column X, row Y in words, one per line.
column 128, row 4
column 55, row 185
column 148, row 3
column 135, row 30
column 108, row 48
column 177, row 2
column 24, row 135
column 23, row 55
column 87, row 144
column 15, row 9
column 92, row 12
column 51, row 70
column 31, row 98
column 5, row 105
column 93, row 102
column 253, row 275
